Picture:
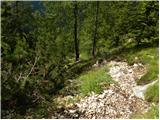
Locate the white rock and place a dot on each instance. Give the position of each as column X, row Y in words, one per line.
column 116, row 101
column 135, row 65
column 72, row 111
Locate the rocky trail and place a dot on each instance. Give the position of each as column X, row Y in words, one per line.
column 119, row 100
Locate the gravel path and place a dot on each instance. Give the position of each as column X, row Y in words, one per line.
column 119, row 100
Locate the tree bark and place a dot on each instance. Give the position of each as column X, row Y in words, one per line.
column 75, row 32
column 95, row 30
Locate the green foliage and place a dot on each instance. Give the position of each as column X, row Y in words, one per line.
column 41, row 111
column 47, row 32
column 152, row 93
column 90, row 81
column 152, row 113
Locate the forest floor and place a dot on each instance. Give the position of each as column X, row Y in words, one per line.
column 119, row 97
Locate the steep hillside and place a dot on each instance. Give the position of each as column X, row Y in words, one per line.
column 109, row 89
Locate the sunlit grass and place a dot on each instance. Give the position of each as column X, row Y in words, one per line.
column 152, row 93
column 91, row 80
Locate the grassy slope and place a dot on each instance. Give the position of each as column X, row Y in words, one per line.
column 91, row 81
column 149, row 57
column 94, row 80
column 152, row 93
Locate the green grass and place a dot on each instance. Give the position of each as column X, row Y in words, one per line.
column 152, row 113
column 91, row 80
column 152, row 93
column 151, row 75
column 148, row 57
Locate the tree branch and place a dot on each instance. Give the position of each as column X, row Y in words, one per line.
column 32, row 68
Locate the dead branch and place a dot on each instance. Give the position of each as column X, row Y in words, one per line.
column 36, row 59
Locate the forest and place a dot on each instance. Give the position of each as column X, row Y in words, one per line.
column 79, row 59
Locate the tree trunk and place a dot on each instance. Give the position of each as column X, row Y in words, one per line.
column 75, row 32
column 95, row 30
